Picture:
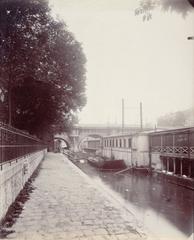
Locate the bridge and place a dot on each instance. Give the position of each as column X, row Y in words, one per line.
column 81, row 132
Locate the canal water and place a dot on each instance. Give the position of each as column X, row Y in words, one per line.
column 165, row 209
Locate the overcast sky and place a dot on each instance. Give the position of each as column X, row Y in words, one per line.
column 150, row 61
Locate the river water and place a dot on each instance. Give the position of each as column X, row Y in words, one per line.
column 165, row 209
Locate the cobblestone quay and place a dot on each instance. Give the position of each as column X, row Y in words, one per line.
column 66, row 204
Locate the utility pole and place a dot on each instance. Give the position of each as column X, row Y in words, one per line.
column 141, row 117
column 123, row 115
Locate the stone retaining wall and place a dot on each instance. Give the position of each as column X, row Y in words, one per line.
column 13, row 177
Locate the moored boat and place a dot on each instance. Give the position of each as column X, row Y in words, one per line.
column 106, row 164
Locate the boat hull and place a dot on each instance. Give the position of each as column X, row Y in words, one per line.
column 108, row 164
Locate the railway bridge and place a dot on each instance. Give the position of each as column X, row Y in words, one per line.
column 81, row 132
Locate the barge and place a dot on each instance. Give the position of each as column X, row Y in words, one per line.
column 106, row 164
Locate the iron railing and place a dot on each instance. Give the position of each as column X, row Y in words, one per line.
column 15, row 143
column 172, row 149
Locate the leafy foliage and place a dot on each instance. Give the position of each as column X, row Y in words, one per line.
column 42, row 71
column 182, row 7
column 177, row 119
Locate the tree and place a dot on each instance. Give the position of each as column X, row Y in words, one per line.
column 182, row 7
column 177, row 119
column 42, row 71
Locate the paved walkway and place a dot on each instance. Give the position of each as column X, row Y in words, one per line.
column 66, row 205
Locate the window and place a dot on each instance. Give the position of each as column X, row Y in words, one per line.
column 181, row 139
column 129, row 142
column 124, row 143
column 167, row 140
column 191, row 138
column 156, row 140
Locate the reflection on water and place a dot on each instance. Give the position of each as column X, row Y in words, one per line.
column 166, row 209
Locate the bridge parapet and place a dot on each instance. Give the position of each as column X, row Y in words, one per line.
column 80, row 132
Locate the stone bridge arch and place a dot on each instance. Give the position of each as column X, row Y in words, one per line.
column 62, row 138
column 87, row 138
column 58, row 146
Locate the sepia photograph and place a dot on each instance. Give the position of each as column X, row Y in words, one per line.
column 97, row 119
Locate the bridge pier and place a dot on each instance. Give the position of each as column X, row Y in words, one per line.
column 75, row 143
